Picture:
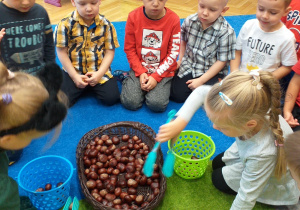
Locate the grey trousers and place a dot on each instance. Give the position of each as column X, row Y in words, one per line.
column 132, row 96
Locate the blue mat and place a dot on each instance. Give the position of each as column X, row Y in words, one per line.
column 88, row 114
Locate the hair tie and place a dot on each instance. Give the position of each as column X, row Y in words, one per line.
column 10, row 74
column 225, row 98
column 6, row 98
column 276, row 144
column 256, row 82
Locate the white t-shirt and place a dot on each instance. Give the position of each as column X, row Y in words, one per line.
column 265, row 50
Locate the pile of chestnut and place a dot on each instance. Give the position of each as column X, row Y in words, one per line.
column 48, row 187
column 113, row 168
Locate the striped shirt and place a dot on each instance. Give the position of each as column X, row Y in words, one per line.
column 205, row 47
column 86, row 44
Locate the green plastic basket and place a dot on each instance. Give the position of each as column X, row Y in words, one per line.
column 189, row 144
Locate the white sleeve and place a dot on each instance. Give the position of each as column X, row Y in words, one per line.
column 193, row 102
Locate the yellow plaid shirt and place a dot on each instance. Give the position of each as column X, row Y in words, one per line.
column 86, row 44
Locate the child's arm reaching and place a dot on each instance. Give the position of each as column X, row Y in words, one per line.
column 184, row 115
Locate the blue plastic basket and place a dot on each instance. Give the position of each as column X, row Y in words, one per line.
column 41, row 171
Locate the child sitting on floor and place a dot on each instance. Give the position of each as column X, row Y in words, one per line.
column 207, row 46
column 247, row 107
column 152, row 40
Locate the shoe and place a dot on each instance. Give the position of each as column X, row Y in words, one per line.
column 120, row 74
column 14, row 155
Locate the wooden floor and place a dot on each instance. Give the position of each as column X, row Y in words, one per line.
column 117, row 10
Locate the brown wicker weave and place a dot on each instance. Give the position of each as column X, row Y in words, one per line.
column 145, row 133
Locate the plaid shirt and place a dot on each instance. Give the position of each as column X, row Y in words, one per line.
column 205, row 47
column 86, row 45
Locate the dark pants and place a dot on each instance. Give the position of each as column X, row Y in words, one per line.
column 108, row 93
column 217, row 176
column 180, row 90
column 296, row 114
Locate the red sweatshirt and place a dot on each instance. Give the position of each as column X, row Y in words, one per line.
column 152, row 46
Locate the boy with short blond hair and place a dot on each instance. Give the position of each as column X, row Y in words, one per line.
column 207, row 46
column 265, row 43
column 85, row 43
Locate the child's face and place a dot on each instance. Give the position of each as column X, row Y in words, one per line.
column 19, row 141
column 155, row 9
column 269, row 13
column 87, row 9
column 20, row 5
column 210, row 10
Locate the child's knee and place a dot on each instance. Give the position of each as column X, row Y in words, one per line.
column 156, row 105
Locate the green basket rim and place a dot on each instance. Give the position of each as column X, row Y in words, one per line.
column 188, row 159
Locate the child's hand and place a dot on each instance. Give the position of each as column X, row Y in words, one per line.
column 80, row 81
column 151, row 84
column 291, row 120
column 2, row 33
column 93, row 78
column 170, row 130
column 143, row 80
column 194, row 83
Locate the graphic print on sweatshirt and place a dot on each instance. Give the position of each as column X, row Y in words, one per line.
column 151, row 44
column 23, row 44
column 294, row 18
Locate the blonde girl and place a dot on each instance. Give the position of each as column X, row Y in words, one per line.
column 247, row 107
column 29, row 108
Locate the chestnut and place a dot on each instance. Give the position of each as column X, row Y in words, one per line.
column 156, row 191
column 130, row 169
column 139, row 199
column 103, row 176
column 117, row 206
column 127, row 199
column 113, row 162
column 93, row 153
column 110, row 188
column 131, row 191
column 123, row 194
column 104, row 137
column 121, row 167
column 92, row 175
column 108, row 142
column 132, row 183
column 118, row 191
column 110, row 170
column 117, row 201
column 103, row 193
column 135, row 138
column 48, row 187
column 110, row 197
column 102, row 158
column 154, row 185
column 143, row 180
column 129, row 176
column 125, row 138
column 116, row 171
column 91, row 184
column 58, row 184
column 39, row 189
column 115, row 140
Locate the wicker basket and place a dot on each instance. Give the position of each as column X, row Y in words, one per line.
column 145, row 133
